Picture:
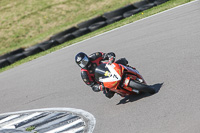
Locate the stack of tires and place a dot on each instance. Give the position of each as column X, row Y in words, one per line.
column 79, row 30
column 11, row 57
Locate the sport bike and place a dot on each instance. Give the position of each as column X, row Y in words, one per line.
column 122, row 79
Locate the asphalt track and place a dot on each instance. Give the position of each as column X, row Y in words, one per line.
column 164, row 48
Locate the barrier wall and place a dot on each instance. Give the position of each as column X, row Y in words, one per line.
column 81, row 29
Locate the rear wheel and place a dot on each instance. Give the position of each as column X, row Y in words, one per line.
column 141, row 87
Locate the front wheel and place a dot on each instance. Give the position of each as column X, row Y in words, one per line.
column 141, row 87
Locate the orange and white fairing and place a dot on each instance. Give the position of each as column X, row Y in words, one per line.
column 113, row 76
column 116, row 77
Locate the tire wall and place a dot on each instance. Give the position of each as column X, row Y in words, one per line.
column 79, row 30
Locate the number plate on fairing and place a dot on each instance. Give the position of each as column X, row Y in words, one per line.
column 110, row 75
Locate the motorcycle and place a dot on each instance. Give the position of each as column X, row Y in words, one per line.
column 122, row 79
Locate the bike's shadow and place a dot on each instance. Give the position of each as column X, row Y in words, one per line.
column 133, row 98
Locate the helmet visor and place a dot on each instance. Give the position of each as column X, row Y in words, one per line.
column 83, row 63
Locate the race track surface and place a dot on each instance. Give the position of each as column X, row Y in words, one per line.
column 164, row 48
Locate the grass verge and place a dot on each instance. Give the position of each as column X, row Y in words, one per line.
column 27, row 22
column 168, row 5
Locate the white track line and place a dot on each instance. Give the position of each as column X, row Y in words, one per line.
column 131, row 23
column 8, row 118
column 65, row 127
column 74, row 130
column 12, row 124
column 87, row 115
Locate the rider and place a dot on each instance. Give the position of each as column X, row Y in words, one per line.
column 88, row 65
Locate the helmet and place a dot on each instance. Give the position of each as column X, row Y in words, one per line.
column 82, row 60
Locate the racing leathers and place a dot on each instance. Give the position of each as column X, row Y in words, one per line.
column 96, row 59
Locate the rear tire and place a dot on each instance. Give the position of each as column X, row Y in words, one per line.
column 141, row 87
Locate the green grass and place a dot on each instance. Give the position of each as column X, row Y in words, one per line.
column 39, row 36
column 27, row 22
column 29, row 129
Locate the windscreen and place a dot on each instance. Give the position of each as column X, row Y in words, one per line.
column 100, row 72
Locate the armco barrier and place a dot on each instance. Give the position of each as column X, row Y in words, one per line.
column 79, row 30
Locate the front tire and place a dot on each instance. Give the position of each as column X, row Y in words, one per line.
column 141, row 87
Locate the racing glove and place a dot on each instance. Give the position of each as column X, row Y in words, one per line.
column 110, row 57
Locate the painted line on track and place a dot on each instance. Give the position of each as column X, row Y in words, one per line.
column 48, row 120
